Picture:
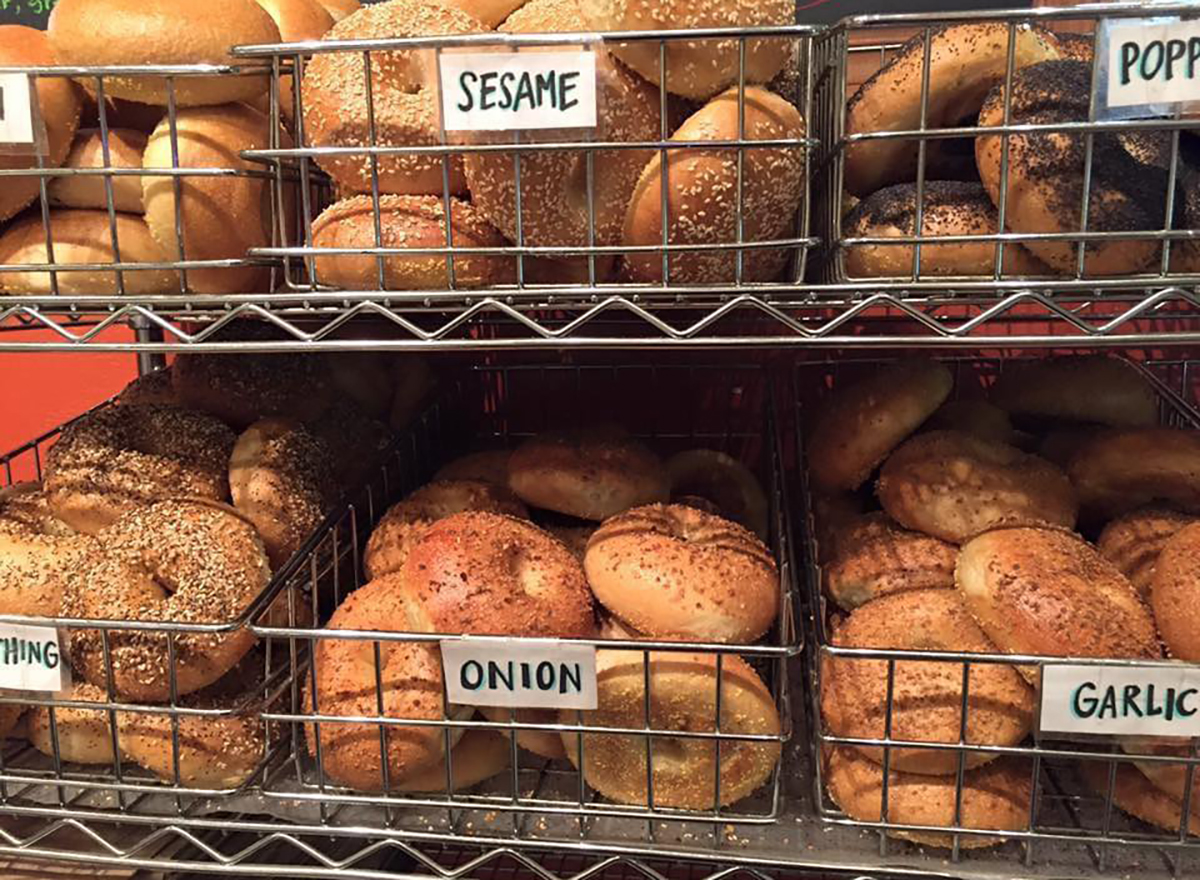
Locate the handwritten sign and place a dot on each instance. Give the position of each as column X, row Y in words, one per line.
column 31, row 659
column 509, row 91
column 16, row 111
column 1142, row 700
column 1152, row 63
column 520, row 673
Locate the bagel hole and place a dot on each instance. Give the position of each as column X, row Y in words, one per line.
column 529, row 571
column 669, row 749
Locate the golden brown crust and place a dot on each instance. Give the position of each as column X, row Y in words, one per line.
column 125, row 148
column 702, row 199
column 178, row 561
column 683, row 696
column 489, row 466
column 37, row 550
column 671, row 570
column 339, row 9
column 926, row 696
column 407, row 221
column 589, row 474
column 1175, row 593
column 478, row 756
column 241, row 390
column 865, row 421
column 543, row 743
column 487, row 574
column 1118, row 471
column 405, row 522
column 995, row 797
column 1138, row 796
column 334, row 92
column 965, row 60
column 1097, row 390
column 1048, row 592
column 875, row 557
column 84, row 735
column 954, row 485
column 116, row 458
column 1134, row 541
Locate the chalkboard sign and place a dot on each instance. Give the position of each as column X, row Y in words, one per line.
column 33, row 13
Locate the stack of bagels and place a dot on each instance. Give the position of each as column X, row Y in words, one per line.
column 980, row 547
column 665, row 551
column 1038, row 176
column 174, row 504
column 117, row 132
column 626, row 202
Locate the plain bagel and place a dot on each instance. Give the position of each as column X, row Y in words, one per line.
column 125, row 149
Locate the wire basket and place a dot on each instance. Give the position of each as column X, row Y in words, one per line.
column 1073, row 824
column 924, row 223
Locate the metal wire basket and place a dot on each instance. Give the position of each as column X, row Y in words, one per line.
column 1071, row 829
column 900, row 253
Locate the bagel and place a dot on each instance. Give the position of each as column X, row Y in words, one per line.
column 1047, row 592
column 490, row 466
column 81, row 236
column 410, row 675
column 357, row 443
column 281, row 481
column 114, row 459
column 405, row 522
column 339, row 9
column 1134, row 541
column 404, row 108
column 407, row 222
column 58, row 106
column 180, row 561
column 864, row 421
column 832, row 516
column 543, row 743
column 1097, row 390
column 37, row 550
column 25, row 510
column 483, row 573
column 682, row 696
column 724, row 481
column 995, row 797
column 702, row 193
column 1046, row 173
column 973, row 416
column 556, row 209
column 241, row 390
column 875, row 557
column 965, row 61
column 670, row 570
column 127, row 33
column 695, row 69
column 953, row 486
column 926, row 697
column 950, row 207
column 298, row 21
column 588, row 473
column 366, row 378
column 1075, row 47
column 574, row 538
column 478, row 756
column 84, row 736
column 1060, row 445
column 219, row 217
column 125, row 149
column 1118, row 471
column 155, row 387
column 1175, row 593
column 1134, row 793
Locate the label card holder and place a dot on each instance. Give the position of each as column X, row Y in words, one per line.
column 1153, row 701
column 1148, row 67
column 519, row 673
column 33, row 658
column 21, row 128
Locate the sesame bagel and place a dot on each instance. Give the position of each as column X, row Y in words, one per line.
column 965, row 61
column 995, row 797
column 588, row 473
column 1096, row 390
column 407, row 222
column 875, row 557
column 404, row 106
column 116, row 458
column 1048, row 592
column 1046, row 173
column 1117, row 471
column 241, row 390
column 345, row 675
column 926, row 697
column 702, row 193
column 950, row 207
column 1134, row 541
column 84, row 736
column 406, row 521
column 682, row 696
column 864, row 421
column 1175, row 593
column 181, row 561
column 1134, row 793
column 487, row 574
column 953, row 486
column 125, row 148
column 672, row 570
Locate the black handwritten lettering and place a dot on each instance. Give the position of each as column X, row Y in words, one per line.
column 464, row 82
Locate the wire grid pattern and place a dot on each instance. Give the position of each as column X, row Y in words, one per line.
column 1061, row 809
column 834, row 55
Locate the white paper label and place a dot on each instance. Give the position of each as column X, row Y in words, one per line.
column 31, row 659
column 16, row 112
column 521, row 673
column 1152, row 62
column 1101, row 700
column 506, row 91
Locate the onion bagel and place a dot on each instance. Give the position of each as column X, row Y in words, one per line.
column 543, row 743
column 478, row 756
column 724, row 481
